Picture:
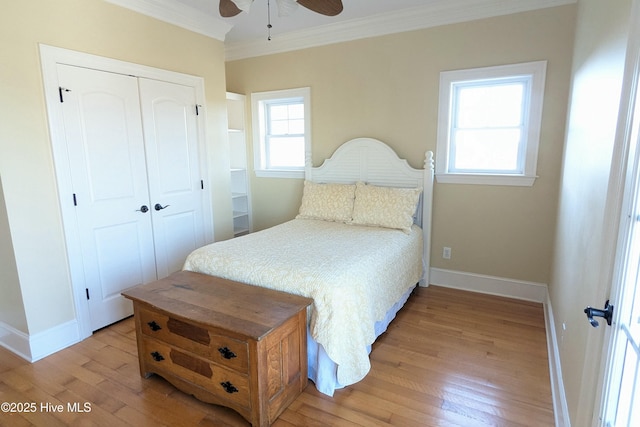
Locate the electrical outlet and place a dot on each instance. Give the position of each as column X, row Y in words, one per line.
column 446, row 253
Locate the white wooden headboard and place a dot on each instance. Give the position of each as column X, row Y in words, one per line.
column 372, row 161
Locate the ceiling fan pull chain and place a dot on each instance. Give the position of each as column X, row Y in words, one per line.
column 269, row 20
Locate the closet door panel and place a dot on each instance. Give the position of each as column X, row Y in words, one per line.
column 105, row 147
column 171, row 138
column 170, row 141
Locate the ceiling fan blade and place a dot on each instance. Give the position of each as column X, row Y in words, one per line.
column 324, row 7
column 228, row 9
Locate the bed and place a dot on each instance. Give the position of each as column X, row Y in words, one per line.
column 358, row 247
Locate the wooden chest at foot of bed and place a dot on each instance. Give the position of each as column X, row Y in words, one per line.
column 226, row 343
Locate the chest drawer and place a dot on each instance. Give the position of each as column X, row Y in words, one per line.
column 222, row 382
column 201, row 341
column 224, row 342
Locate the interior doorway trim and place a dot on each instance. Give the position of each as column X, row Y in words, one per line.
column 50, row 56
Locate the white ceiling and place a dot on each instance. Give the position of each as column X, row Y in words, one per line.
column 245, row 35
column 252, row 25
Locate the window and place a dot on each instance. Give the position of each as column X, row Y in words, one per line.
column 281, row 129
column 489, row 124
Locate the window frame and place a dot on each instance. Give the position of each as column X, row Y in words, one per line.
column 534, row 74
column 259, row 101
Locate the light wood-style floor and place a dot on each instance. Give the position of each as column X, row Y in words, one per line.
column 450, row 358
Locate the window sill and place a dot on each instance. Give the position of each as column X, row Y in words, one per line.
column 264, row 173
column 515, row 180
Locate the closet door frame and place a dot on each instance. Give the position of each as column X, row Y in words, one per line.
column 49, row 57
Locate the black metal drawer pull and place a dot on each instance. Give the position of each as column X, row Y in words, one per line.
column 228, row 387
column 154, row 326
column 157, row 356
column 226, row 353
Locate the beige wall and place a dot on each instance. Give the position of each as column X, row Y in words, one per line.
column 584, row 244
column 11, row 310
column 387, row 88
column 26, row 163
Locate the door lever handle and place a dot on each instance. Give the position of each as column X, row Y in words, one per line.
column 159, row 207
column 607, row 313
column 142, row 209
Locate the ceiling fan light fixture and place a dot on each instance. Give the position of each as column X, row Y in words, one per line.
column 230, row 8
column 286, row 7
column 243, row 5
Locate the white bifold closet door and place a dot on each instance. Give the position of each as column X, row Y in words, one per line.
column 175, row 186
column 132, row 147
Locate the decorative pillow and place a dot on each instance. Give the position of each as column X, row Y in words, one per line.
column 388, row 207
column 329, row 202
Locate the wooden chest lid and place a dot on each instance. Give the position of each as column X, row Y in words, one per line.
column 250, row 311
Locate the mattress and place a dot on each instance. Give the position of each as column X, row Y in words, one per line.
column 354, row 274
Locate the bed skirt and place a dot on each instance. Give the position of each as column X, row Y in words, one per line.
column 323, row 371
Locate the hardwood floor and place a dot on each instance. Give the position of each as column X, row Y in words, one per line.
column 450, row 358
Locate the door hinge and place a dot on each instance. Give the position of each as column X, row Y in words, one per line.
column 61, row 90
column 201, row 184
column 87, row 291
column 75, row 201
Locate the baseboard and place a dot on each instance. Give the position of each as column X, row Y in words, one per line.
column 15, row 341
column 519, row 289
column 560, row 408
column 530, row 291
column 37, row 346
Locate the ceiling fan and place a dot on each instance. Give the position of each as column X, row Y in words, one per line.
column 229, row 8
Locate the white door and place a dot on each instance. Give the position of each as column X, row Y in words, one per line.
column 622, row 385
column 169, row 116
column 621, row 390
column 105, row 147
column 133, row 150
column 620, row 400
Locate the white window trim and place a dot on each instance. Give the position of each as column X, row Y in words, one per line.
column 258, row 137
column 537, row 71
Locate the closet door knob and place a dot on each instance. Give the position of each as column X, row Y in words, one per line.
column 143, row 209
column 159, row 207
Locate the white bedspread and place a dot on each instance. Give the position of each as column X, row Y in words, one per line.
column 354, row 274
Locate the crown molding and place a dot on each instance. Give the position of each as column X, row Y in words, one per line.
column 180, row 15
column 435, row 13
